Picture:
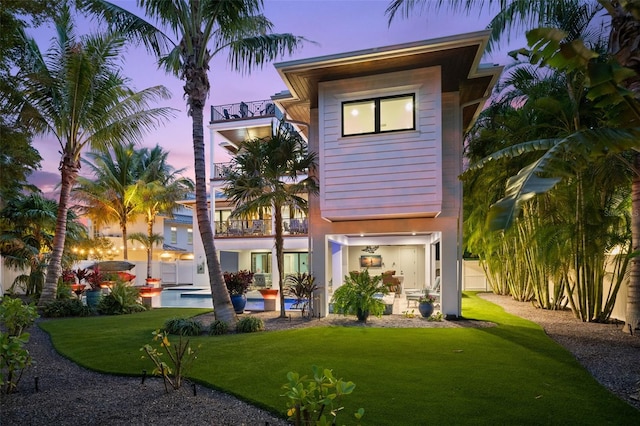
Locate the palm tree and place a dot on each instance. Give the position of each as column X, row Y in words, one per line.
column 203, row 29
column 564, row 50
column 77, row 94
column 157, row 191
column 27, row 226
column 264, row 177
column 108, row 196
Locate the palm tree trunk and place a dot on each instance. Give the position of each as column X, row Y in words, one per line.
column 123, row 228
column 633, row 288
column 149, row 247
column 279, row 241
column 223, row 309
column 69, row 173
column 623, row 44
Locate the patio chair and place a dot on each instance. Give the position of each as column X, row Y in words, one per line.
column 295, row 226
column 244, row 110
column 259, row 280
column 257, row 227
column 270, row 109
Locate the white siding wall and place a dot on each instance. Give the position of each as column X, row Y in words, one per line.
column 394, row 174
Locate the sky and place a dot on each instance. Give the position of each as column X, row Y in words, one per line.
column 332, row 26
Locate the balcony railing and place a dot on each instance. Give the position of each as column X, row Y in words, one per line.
column 259, row 228
column 220, row 170
column 242, row 110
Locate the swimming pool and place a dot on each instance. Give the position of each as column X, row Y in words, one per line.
column 193, row 297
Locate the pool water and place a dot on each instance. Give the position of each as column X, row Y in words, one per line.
column 190, row 297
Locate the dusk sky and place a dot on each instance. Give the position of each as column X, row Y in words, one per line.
column 336, row 27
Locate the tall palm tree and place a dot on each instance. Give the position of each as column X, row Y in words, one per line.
column 201, row 30
column 108, row 196
column 76, row 93
column 565, row 51
column 264, row 177
column 157, row 191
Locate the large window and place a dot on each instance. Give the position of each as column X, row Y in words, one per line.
column 378, row 115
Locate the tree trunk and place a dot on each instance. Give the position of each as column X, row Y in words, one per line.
column 149, row 247
column 280, row 256
column 223, row 309
column 125, row 252
column 633, row 288
column 624, row 42
column 69, row 173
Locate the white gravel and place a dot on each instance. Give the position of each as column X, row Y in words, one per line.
column 70, row 395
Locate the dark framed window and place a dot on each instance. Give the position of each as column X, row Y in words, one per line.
column 379, row 115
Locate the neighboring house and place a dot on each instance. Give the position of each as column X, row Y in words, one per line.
column 172, row 260
column 387, row 124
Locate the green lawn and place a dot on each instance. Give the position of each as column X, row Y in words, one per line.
column 510, row 374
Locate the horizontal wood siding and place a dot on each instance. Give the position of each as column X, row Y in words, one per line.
column 383, row 175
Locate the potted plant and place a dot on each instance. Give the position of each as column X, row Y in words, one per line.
column 237, row 284
column 95, row 280
column 358, row 295
column 425, row 305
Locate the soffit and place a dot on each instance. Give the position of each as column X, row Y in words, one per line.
column 458, row 57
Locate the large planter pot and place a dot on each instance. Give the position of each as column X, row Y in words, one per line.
column 93, row 298
column 239, row 301
column 426, row 309
column 154, row 282
column 270, row 296
column 362, row 315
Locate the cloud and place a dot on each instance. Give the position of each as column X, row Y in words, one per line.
column 47, row 182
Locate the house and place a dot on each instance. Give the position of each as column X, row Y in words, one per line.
column 248, row 243
column 172, row 259
column 387, row 124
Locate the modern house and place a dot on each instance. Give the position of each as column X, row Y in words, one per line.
column 387, row 124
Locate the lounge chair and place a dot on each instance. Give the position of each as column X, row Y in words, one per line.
column 244, row 110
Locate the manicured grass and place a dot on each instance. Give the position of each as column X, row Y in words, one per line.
column 509, row 374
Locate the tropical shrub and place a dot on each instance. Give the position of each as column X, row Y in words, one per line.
column 218, row 328
column 249, row 325
column 14, row 359
column 60, row 308
column 357, row 296
column 238, row 282
column 123, row 299
column 302, row 286
column 183, row 326
column 180, row 355
column 15, row 316
column 311, row 400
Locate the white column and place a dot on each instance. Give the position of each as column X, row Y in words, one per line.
column 450, row 285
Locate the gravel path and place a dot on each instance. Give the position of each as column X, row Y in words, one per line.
column 70, row 395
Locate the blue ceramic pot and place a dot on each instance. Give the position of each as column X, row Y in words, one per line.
column 426, row 309
column 239, row 301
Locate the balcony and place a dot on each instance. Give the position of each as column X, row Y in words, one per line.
column 259, row 228
column 244, row 110
column 220, row 171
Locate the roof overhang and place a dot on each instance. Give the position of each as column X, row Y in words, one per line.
column 458, row 56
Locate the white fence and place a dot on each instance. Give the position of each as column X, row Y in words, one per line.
column 179, row 272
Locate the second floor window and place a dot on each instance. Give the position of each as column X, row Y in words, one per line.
column 378, row 115
column 189, row 236
column 174, row 235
